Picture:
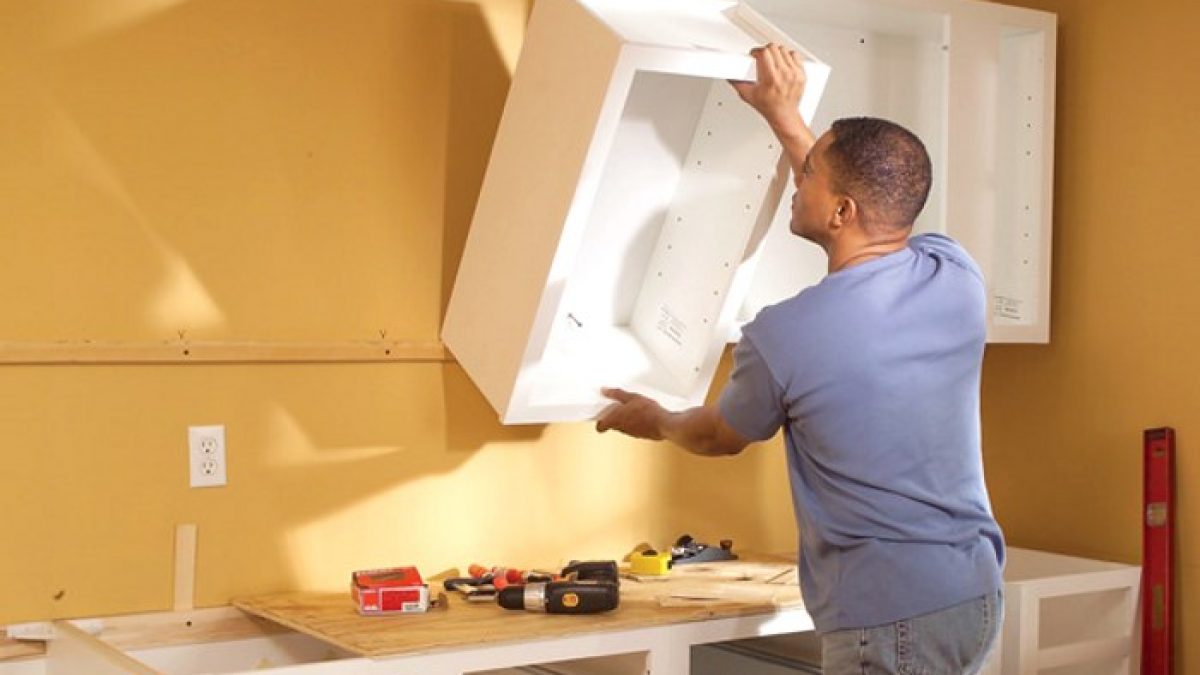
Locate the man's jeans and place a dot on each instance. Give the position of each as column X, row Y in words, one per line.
column 951, row 641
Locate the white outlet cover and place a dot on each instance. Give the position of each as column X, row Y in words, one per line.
column 206, row 456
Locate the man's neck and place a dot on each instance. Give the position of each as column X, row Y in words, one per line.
column 857, row 253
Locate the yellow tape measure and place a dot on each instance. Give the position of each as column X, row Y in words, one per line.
column 650, row 563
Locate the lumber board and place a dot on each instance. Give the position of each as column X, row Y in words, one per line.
column 161, row 629
column 185, row 567
column 176, row 352
column 19, row 649
column 74, row 651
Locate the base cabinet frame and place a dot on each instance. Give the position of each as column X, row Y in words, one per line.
column 1064, row 614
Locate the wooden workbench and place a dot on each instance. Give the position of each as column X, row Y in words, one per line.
column 651, row 633
column 693, row 600
column 695, row 592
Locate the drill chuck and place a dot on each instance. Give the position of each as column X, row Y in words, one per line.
column 561, row 597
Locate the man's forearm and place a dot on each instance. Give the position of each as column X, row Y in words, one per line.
column 700, row 431
column 797, row 140
column 776, row 93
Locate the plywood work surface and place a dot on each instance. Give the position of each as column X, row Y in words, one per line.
column 690, row 593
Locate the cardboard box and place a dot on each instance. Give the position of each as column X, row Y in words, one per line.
column 393, row 590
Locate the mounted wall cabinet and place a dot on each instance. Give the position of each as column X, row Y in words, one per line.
column 630, row 217
column 975, row 81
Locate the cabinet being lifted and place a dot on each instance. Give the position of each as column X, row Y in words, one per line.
column 630, row 219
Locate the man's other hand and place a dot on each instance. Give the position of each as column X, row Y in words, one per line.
column 631, row 414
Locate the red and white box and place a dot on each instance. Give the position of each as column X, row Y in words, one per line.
column 394, row 590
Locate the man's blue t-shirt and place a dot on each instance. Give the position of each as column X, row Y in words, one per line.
column 874, row 376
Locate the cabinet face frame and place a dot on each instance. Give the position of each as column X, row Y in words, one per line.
column 554, row 299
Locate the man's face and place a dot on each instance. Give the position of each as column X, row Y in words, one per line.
column 814, row 201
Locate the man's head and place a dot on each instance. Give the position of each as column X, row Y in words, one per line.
column 866, row 172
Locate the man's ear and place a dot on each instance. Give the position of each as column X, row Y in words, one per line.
column 845, row 211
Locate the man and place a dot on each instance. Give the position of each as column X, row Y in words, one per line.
column 873, row 374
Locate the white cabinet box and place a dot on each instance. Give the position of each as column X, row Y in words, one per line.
column 629, row 220
column 626, row 181
column 1063, row 615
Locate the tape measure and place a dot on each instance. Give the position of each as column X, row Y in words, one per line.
column 650, row 563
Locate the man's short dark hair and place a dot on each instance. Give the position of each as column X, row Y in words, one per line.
column 883, row 166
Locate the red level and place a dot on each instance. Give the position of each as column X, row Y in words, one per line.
column 1158, row 532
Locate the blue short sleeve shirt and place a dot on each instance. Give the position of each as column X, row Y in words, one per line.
column 873, row 375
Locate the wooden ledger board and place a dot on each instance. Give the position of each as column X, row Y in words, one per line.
column 693, row 592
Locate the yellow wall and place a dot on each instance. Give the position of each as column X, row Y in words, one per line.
column 280, row 170
column 306, row 170
column 1063, row 423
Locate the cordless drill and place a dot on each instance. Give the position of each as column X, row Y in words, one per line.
column 585, row 588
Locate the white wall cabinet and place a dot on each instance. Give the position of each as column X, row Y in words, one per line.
column 975, row 81
column 630, row 217
column 626, row 182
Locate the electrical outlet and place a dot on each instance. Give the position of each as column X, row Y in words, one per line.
column 206, row 455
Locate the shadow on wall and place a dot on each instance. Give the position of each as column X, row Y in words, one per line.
column 481, row 69
column 271, row 170
column 249, row 171
column 481, row 66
